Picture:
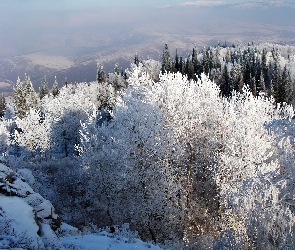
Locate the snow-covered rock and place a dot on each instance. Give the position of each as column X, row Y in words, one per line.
column 27, row 175
column 27, row 220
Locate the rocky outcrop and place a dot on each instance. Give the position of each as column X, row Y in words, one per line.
column 27, row 220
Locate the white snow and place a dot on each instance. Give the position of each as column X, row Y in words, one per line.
column 21, row 219
column 27, row 174
column 68, row 230
column 105, row 241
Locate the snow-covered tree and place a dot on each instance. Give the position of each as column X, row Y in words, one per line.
column 19, row 99
column 101, row 75
column 166, row 60
column 154, row 145
column 24, row 97
column 55, row 88
column 179, row 143
column 2, row 105
column 286, row 87
column 44, row 90
column 116, row 79
column 30, row 94
column 33, row 135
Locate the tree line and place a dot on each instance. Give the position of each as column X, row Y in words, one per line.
column 260, row 70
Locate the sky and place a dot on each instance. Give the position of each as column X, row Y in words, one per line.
column 12, row 5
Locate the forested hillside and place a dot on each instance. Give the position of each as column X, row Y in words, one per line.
column 196, row 151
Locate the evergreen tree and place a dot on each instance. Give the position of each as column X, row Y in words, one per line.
column 117, row 69
column 276, row 82
column 227, row 56
column 181, row 65
column 44, row 90
column 286, row 87
column 217, row 63
column 189, row 68
column 257, row 68
column 166, row 60
column 55, row 89
column 226, row 83
column 206, row 62
column 247, row 73
column 30, row 94
column 195, row 62
column 253, row 86
column 261, row 84
column 264, row 68
column 101, row 75
column 19, row 99
column 136, row 60
column 275, row 54
column 2, row 105
column 66, row 82
column 177, row 63
column 211, row 61
column 237, row 77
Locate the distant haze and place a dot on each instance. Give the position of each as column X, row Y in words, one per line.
column 58, row 37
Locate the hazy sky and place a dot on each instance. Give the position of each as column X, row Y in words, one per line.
column 12, row 5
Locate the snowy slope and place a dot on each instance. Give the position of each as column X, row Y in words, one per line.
column 28, row 221
column 263, row 5
column 104, row 241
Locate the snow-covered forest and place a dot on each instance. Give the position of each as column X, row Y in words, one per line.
column 194, row 152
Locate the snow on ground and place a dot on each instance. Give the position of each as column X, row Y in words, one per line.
column 105, row 241
column 18, row 218
column 28, row 221
column 54, row 62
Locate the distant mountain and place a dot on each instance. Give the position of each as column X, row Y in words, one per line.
column 263, row 5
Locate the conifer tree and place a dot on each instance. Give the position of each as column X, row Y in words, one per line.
column 211, row 61
column 177, row 63
column 264, row 68
column 247, row 73
column 195, row 62
column 19, row 99
column 226, row 84
column 117, row 69
column 253, row 86
column 261, row 84
column 30, row 94
column 217, row 63
column 181, row 65
column 55, row 89
column 136, row 60
column 66, row 82
column 101, row 75
column 237, row 77
column 166, row 60
column 2, row 105
column 276, row 82
column 286, row 87
column 206, row 62
column 227, row 56
column 189, row 68
column 44, row 90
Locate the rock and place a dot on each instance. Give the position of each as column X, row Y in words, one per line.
column 27, row 220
